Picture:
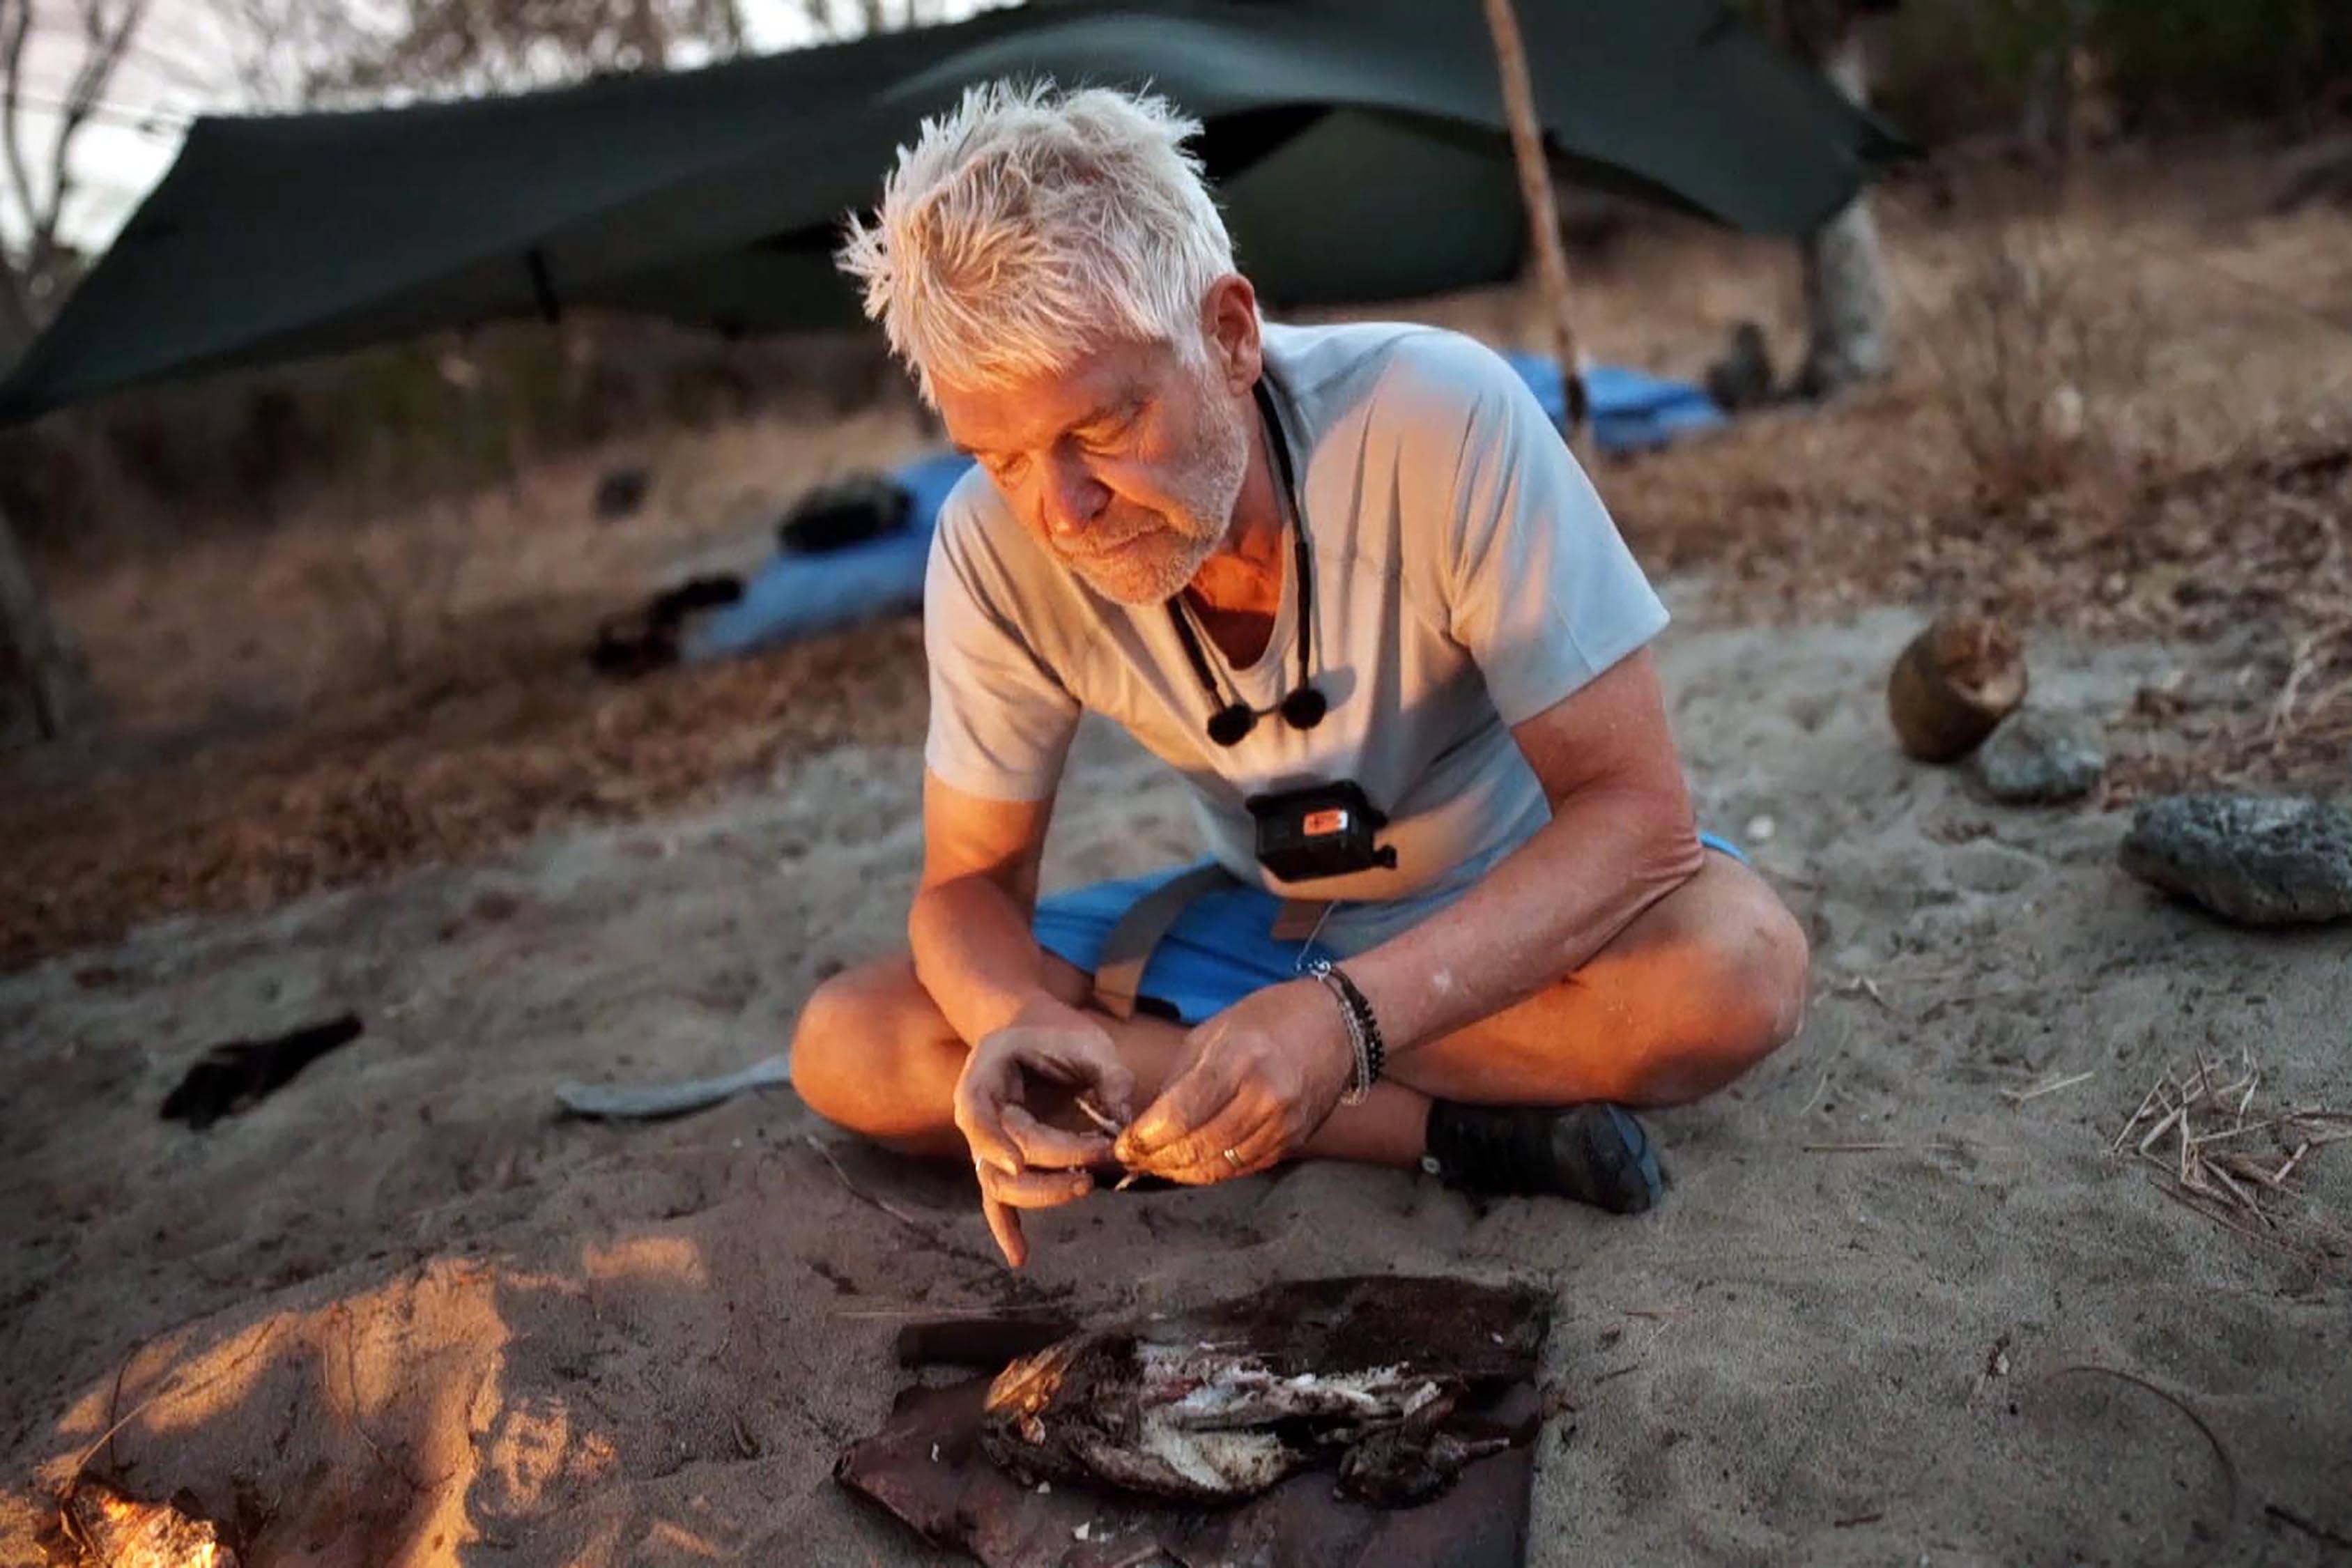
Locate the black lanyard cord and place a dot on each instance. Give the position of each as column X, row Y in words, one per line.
column 1302, row 566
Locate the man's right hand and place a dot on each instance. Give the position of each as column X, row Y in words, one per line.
column 1023, row 1162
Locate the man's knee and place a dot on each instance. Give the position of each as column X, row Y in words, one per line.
column 1737, row 960
column 1748, row 963
column 852, row 1044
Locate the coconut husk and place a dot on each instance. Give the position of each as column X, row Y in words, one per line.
column 1952, row 684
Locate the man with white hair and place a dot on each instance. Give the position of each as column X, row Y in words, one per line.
column 1347, row 582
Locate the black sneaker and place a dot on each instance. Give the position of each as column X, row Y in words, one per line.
column 1595, row 1153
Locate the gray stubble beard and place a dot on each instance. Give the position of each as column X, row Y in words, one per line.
column 1212, row 489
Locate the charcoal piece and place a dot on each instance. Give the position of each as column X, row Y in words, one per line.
column 1455, row 1482
column 238, row 1075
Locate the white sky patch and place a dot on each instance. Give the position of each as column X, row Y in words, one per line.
column 183, row 63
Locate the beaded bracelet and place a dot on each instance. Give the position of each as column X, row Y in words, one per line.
column 1363, row 1029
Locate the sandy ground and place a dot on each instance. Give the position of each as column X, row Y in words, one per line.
column 400, row 1313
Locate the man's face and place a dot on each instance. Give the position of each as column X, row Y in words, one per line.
column 1126, row 467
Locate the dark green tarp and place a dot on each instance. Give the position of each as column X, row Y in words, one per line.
column 1358, row 145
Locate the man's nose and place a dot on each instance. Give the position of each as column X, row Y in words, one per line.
column 1072, row 499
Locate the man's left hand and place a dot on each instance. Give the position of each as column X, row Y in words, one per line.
column 1252, row 1085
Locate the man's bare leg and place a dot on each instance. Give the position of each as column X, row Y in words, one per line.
column 1701, row 986
column 1698, row 988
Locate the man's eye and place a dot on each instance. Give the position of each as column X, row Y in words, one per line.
column 1103, row 437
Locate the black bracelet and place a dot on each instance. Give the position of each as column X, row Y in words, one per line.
column 1363, row 1025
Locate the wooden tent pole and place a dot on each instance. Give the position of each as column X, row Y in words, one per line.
column 1535, row 191
column 31, row 650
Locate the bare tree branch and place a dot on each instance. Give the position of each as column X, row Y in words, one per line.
column 15, row 33
column 442, row 48
column 106, row 42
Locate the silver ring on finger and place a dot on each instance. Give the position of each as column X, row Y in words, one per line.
column 1234, row 1158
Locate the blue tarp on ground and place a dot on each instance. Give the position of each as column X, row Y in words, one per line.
column 796, row 597
column 800, row 596
column 1632, row 411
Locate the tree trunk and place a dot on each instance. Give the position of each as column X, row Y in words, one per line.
column 16, row 324
column 42, row 689
column 1543, row 213
column 1846, row 294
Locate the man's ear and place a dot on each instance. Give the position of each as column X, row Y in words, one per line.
column 1229, row 321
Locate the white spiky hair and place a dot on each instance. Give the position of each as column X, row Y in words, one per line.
column 1034, row 225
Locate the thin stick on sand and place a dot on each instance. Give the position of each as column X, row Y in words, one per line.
column 2148, row 1103
column 2235, row 1191
column 2221, row 1449
column 2291, row 1162
column 174, row 1385
column 2019, row 1096
column 885, row 1204
column 2228, row 1133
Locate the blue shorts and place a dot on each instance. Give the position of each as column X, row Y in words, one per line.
column 1221, row 948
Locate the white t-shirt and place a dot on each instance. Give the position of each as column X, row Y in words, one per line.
column 1467, row 578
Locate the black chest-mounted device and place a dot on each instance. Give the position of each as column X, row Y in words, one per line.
column 1321, row 830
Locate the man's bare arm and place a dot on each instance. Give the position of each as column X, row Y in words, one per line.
column 969, row 927
column 1620, row 838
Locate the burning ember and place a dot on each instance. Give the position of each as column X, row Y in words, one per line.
column 113, row 1529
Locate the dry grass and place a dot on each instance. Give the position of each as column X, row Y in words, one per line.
column 414, row 778
column 344, row 696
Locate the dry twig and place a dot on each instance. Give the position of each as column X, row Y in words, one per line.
column 885, row 1204
column 2019, row 1096
column 2221, row 1449
column 1931, row 1147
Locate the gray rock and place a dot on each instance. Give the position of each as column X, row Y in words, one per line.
column 2259, row 860
column 2036, row 758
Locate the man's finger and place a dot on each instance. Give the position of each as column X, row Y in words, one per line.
column 980, row 1117
column 1257, row 1140
column 1192, row 1099
column 1004, row 1225
column 1036, row 1189
column 1229, row 1128
column 1051, row 1148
